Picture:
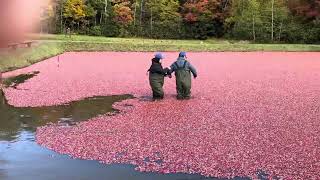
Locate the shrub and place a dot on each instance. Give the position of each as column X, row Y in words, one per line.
column 95, row 31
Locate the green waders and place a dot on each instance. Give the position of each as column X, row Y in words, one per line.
column 156, row 82
column 183, row 82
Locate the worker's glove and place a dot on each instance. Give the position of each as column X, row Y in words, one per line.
column 168, row 72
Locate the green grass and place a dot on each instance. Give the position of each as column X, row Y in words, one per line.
column 25, row 57
column 99, row 39
column 51, row 45
column 167, row 47
column 94, row 43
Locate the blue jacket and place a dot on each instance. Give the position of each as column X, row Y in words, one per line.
column 180, row 63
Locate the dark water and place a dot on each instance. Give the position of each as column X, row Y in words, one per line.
column 22, row 159
column 15, row 81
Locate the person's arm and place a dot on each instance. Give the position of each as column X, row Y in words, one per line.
column 160, row 70
column 168, row 72
column 157, row 68
column 149, row 70
column 173, row 68
column 193, row 70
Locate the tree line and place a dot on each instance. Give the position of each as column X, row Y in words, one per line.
column 292, row 21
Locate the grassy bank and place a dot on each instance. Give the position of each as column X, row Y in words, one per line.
column 51, row 45
column 25, row 57
column 199, row 47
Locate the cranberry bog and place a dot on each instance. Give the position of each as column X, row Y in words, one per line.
column 251, row 113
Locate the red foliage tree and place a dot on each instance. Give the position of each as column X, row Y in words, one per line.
column 196, row 10
column 123, row 12
column 309, row 9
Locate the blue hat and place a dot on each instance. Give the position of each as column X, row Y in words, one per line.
column 182, row 54
column 158, row 56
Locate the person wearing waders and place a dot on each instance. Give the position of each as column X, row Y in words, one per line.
column 156, row 76
column 183, row 70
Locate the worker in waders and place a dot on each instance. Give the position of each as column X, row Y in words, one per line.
column 156, row 76
column 183, row 70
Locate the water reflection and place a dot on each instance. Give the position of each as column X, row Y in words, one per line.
column 13, row 82
column 13, row 119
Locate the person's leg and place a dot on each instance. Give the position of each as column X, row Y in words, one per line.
column 157, row 90
column 187, row 85
column 179, row 85
column 156, row 83
column 161, row 81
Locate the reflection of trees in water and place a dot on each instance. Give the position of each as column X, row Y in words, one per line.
column 8, row 125
column 16, row 80
column 13, row 119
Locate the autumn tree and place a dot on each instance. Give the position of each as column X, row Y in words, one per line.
column 74, row 10
column 305, row 24
column 164, row 18
column 205, row 18
column 258, row 19
column 123, row 13
column 307, row 9
column 246, row 18
column 275, row 16
column 102, row 8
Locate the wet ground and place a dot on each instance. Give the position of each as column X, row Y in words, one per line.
column 22, row 158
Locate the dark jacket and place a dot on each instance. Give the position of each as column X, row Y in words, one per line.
column 157, row 68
